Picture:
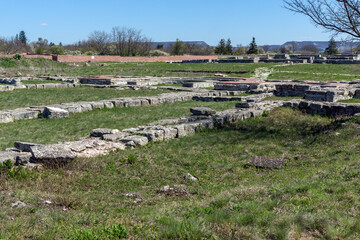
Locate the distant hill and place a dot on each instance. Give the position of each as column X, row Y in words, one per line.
column 167, row 45
column 321, row 45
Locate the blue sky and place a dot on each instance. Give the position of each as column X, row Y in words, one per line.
column 69, row 21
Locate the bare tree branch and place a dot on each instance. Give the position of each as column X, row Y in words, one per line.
column 335, row 16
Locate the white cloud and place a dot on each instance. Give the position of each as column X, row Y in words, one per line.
column 44, row 24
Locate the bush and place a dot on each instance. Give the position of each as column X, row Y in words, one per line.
column 56, row 50
column 17, row 57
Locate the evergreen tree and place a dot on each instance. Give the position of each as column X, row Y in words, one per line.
column 229, row 48
column 178, row 48
column 253, row 49
column 22, row 37
column 221, row 48
column 332, row 48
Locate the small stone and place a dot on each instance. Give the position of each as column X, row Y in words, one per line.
column 138, row 200
column 190, row 177
column 47, row 202
column 18, row 204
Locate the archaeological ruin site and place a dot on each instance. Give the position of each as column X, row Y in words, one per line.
column 180, row 120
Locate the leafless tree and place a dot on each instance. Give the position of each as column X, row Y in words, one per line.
column 336, row 16
column 129, row 42
column 100, row 41
column 266, row 48
column 10, row 45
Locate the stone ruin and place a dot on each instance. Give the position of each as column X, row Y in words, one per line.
column 317, row 98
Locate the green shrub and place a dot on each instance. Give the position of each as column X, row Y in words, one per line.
column 17, row 57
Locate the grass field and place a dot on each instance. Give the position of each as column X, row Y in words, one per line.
column 321, row 72
column 33, row 97
column 315, row 196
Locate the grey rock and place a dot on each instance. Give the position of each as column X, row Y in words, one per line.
column 18, row 204
column 114, row 137
column 153, row 135
column 6, row 117
column 190, row 177
column 8, row 155
column 23, row 158
column 245, row 105
column 100, row 132
column 138, row 140
column 203, row 111
column 54, row 113
column 52, row 154
column 24, row 113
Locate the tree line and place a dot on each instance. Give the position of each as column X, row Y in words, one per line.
column 131, row 42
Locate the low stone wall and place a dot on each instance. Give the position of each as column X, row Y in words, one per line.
column 325, row 109
column 102, row 141
column 63, row 110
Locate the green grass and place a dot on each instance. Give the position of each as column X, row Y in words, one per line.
column 352, row 100
column 80, row 124
column 315, row 196
column 319, row 72
column 33, row 97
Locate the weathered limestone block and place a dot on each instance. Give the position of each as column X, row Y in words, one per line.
column 53, row 113
column 138, row 140
column 206, row 124
column 52, row 154
column 118, row 102
column 71, row 107
column 23, row 158
column 8, row 155
column 115, row 137
column 24, row 146
column 181, row 132
column 245, row 105
column 108, row 104
column 202, row 111
column 85, row 106
column 169, row 132
column 144, row 102
column 153, row 135
column 257, row 113
column 133, row 102
column 100, row 132
column 6, row 117
column 89, row 147
column 97, row 105
column 24, row 113
column 154, row 101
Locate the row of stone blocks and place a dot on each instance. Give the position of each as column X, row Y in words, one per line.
column 102, row 141
column 325, row 109
column 5, row 88
column 63, row 110
column 314, row 93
